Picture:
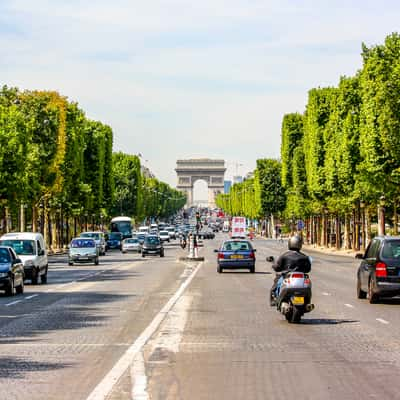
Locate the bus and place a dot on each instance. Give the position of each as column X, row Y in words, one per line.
column 122, row 225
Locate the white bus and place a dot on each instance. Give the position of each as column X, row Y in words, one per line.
column 122, row 225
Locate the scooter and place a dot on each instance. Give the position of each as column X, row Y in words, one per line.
column 294, row 298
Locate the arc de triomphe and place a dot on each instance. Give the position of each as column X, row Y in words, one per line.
column 208, row 170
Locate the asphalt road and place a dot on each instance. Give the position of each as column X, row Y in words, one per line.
column 161, row 329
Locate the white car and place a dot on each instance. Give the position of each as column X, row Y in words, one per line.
column 164, row 236
column 131, row 244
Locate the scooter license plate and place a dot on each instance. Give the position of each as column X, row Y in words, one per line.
column 298, row 300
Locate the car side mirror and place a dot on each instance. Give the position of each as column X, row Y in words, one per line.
column 17, row 261
column 216, row 250
column 359, row 256
column 254, row 250
column 41, row 252
column 270, row 259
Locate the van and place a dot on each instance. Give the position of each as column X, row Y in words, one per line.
column 31, row 249
column 144, row 229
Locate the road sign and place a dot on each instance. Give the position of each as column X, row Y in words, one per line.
column 300, row 225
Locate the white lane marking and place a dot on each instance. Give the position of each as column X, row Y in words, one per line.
column 139, row 378
column 32, row 296
column 12, row 303
column 382, row 321
column 349, row 305
column 325, row 293
column 106, row 385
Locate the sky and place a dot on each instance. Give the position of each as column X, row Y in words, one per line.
column 185, row 79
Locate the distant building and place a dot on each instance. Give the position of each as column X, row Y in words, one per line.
column 227, row 186
column 249, row 175
column 237, row 179
column 146, row 172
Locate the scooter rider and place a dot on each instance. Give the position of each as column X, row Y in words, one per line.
column 291, row 260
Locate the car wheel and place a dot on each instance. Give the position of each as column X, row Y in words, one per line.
column 124, row 252
column 43, row 278
column 96, row 261
column 10, row 291
column 360, row 293
column 20, row 289
column 372, row 297
column 35, row 277
column 219, row 269
column 70, row 263
column 161, row 254
column 253, row 269
column 143, row 255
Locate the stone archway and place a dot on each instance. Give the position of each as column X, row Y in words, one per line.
column 208, row 170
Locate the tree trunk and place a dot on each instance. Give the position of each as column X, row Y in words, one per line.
column 347, row 242
column 395, row 218
column 34, row 219
column 338, row 232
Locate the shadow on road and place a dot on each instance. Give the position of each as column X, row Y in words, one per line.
column 328, row 321
column 17, row 367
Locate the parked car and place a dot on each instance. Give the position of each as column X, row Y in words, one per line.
column 164, row 236
column 31, row 250
column 131, row 244
column 99, row 238
column 236, row 254
column 83, row 250
column 114, row 241
column 11, row 272
column 379, row 272
column 152, row 245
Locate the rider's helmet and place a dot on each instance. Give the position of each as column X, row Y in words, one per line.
column 295, row 243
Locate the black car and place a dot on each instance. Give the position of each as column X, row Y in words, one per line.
column 379, row 272
column 152, row 245
column 11, row 272
column 114, row 240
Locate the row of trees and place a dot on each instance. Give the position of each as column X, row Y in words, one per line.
column 57, row 167
column 340, row 159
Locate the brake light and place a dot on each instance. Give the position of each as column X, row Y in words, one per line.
column 307, row 281
column 220, row 256
column 297, row 275
column 380, row 270
column 252, row 255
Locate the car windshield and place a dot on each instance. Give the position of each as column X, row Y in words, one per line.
column 114, row 236
column 391, row 249
column 4, row 256
column 131, row 241
column 21, row 247
column 164, row 233
column 152, row 240
column 236, row 246
column 92, row 235
column 82, row 243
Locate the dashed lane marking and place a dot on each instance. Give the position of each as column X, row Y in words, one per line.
column 12, row 303
column 382, row 321
column 31, row 296
column 349, row 305
column 325, row 294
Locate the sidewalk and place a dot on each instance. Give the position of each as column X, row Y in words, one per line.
column 320, row 249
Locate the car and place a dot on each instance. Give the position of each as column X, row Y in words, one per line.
column 236, row 254
column 83, row 250
column 164, row 236
column 11, row 271
column 131, row 244
column 141, row 237
column 378, row 274
column 152, row 245
column 99, row 238
column 144, row 229
column 171, row 232
column 31, row 250
column 114, row 241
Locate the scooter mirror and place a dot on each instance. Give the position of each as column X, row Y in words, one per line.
column 310, row 258
column 270, row 259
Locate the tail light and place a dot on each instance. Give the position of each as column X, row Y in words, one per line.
column 307, row 281
column 252, row 255
column 380, row 270
column 297, row 275
column 220, row 256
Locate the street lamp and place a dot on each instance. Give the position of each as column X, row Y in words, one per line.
column 362, row 206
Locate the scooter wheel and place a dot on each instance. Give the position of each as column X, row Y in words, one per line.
column 296, row 316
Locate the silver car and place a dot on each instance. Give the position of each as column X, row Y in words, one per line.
column 83, row 250
column 99, row 238
column 131, row 244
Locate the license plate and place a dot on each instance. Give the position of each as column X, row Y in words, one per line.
column 236, row 256
column 152, row 251
column 297, row 300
